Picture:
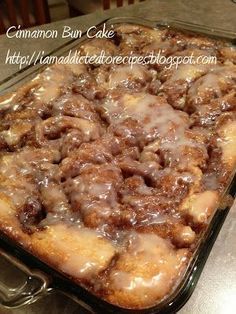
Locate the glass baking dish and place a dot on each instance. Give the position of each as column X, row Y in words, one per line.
column 42, row 279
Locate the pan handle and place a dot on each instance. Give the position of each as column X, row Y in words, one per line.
column 35, row 286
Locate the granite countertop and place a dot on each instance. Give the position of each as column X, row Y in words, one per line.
column 216, row 289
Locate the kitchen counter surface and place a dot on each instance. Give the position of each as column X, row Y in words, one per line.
column 216, row 290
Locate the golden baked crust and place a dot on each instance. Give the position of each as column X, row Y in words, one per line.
column 110, row 174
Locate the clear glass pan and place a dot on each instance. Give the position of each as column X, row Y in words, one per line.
column 41, row 283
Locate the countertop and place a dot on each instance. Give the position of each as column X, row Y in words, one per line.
column 216, row 290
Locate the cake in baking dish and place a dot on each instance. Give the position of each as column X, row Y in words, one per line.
column 111, row 174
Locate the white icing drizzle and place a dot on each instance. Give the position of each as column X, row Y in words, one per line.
column 126, row 75
column 148, row 268
column 157, row 116
column 214, row 81
column 53, row 79
column 83, row 251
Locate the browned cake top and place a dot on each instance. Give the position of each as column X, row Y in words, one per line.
column 111, row 173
